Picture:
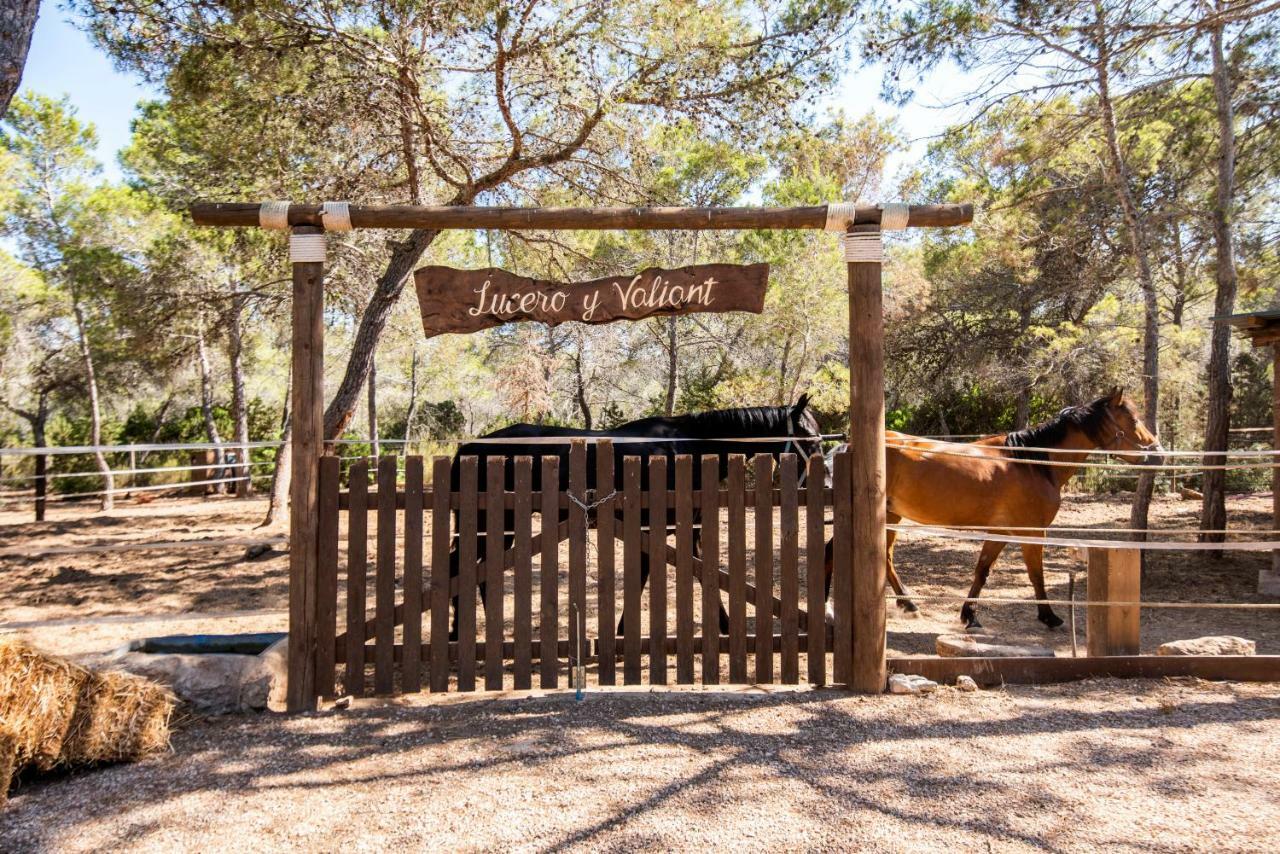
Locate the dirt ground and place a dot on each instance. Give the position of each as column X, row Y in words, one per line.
column 1114, row 765
column 1143, row 765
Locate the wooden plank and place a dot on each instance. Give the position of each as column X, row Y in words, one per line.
column 306, row 444
column 815, row 547
column 562, row 647
column 468, row 486
column 357, row 571
column 1030, row 671
column 722, row 496
column 411, row 666
column 385, row 579
column 523, row 573
column 441, row 545
column 842, row 571
column 606, row 594
column 1115, row 575
column 327, row 576
column 710, row 562
column 494, row 578
column 684, row 569
column 549, row 576
column 763, row 466
column 577, row 553
column 229, row 214
column 737, row 528
column 867, row 472
column 789, row 569
column 658, row 569
column 631, row 575
column 462, row 301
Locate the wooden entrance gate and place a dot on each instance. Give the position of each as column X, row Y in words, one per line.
column 754, row 541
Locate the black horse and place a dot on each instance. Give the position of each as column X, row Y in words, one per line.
column 782, row 429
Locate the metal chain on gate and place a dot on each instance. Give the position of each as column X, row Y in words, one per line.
column 590, row 508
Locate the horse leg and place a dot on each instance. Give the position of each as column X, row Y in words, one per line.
column 990, row 551
column 644, row 579
column 828, row 569
column 454, row 571
column 890, row 536
column 697, row 552
column 1033, row 557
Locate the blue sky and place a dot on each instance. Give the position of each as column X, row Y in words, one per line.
column 64, row 62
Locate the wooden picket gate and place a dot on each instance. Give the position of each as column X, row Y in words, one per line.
column 389, row 627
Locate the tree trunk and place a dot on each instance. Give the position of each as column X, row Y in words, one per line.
column 17, row 21
column 206, row 408
column 95, row 410
column 1213, row 510
column 413, row 401
column 581, row 387
column 1139, row 243
column 374, row 447
column 278, row 507
column 673, row 364
column 239, row 406
column 372, row 323
column 38, row 420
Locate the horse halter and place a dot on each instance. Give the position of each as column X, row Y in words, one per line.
column 793, row 447
column 1120, row 434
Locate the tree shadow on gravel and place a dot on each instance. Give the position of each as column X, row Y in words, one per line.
column 545, row 735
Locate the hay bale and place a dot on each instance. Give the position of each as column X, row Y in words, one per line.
column 119, row 718
column 63, row 715
column 8, row 753
column 38, row 696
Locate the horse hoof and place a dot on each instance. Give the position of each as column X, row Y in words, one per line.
column 1051, row 620
column 908, row 606
column 972, row 625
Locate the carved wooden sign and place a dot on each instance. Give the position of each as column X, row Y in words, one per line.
column 470, row 300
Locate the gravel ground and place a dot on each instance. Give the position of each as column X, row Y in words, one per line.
column 1149, row 766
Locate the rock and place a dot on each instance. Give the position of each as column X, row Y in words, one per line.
column 985, row 646
column 965, row 683
column 276, row 659
column 1212, row 645
column 905, row 683
column 209, row 684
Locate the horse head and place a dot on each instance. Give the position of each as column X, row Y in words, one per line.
column 1123, row 430
column 803, row 425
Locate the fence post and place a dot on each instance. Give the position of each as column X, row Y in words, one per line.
column 866, row 449
column 1115, row 575
column 307, row 447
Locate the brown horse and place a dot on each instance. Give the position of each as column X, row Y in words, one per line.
column 996, row 486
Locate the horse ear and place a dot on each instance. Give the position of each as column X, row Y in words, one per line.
column 802, row 403
column 1117, row 395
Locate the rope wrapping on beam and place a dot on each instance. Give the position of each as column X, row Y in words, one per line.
column 336, row 216
column 274, row 215
column 863, row 247
column 306, row 249
column 894, row 216
column 840, row 216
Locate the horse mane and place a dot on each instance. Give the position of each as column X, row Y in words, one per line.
column 1088, row 417
column 758, row 421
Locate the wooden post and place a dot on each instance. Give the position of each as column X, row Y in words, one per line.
column 1269, row 581
column 866, row 447
column 307, row 445
column 1115, row 575
column 41, row 484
